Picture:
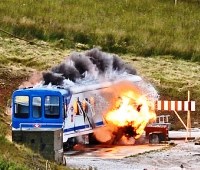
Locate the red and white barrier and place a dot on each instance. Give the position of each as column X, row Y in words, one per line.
column 178, row 106
column 175, row 105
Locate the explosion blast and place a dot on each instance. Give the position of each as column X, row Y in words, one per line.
column 131, row 106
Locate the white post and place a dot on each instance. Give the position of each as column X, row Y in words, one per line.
column 188, row 119
column 175, row 2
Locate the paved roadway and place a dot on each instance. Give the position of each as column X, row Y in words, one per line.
column 112, row 152
column 119, row 152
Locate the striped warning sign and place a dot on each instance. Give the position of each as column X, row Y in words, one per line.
column 175, row 105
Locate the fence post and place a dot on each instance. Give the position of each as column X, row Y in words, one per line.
column 188, row 120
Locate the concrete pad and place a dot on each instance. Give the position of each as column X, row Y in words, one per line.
column 114, row 152
column 194, row 133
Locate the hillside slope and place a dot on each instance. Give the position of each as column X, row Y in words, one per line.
column 156, row 27
column 172, row 78
column 17, row 64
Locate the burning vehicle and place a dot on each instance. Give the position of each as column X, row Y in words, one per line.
column 91, row 97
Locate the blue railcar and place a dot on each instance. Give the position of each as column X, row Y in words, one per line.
column 77, row 110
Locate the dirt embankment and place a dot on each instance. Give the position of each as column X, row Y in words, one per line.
column 10, row 80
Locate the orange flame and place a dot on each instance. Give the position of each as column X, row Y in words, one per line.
column 132, row 109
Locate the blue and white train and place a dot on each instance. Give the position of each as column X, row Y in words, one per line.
column 78, row 110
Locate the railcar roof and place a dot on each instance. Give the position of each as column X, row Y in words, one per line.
column 84, row 85
column 45, row 88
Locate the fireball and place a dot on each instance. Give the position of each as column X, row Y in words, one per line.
column 132, row 112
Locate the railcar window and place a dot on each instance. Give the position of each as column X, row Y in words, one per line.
column 21, row 107
column 92, row 101
column 52, row 107
column 36, row 105
column 84, row 105
column 76, row 109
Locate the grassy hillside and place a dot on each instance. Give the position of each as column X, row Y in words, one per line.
column 146, row 28
column 172, row 78
column 18, row 61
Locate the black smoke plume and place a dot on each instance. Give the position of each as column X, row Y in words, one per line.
column 54, row 79
column 81, row 62
column 92, row 62
column 68, row 71
column 102, row 60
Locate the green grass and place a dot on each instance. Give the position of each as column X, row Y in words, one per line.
column 18, row 157
column 9, row 153
column 175, row 77
column 139, row 27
